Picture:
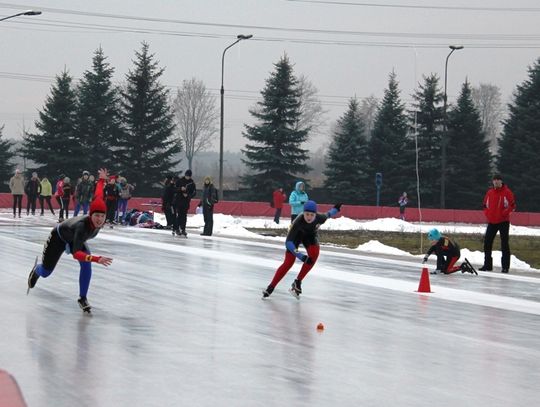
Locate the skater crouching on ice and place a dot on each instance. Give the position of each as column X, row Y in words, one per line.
column 448, row 254
column 71, row 236
column 303, row 230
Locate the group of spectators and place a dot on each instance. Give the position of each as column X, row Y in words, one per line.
column 116, row 194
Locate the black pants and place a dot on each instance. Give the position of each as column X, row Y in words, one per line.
column 17, row 203
column 31, row 204
column 180, row 215
column 42, row 200
column 64, row 207
column 169, row 214
column 208, row 215
column 492, row 228
column 277, row 215
column 111, row 209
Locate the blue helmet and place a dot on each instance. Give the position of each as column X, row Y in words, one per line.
column 434, row 234
column 310, row 206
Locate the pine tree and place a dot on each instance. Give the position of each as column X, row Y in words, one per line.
column 55, row 147
column 389, row 148
column 468, row 158
column 518, row 149
column 429, row 116
column 347, row 169
column 98, row 116
column 274, row 154
column 148, row 145
column 6, row 155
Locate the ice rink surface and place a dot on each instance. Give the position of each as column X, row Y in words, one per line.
column 180, row 322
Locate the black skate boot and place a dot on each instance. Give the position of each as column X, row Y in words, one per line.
column 85, row 306
column 32, row 277
column 184, row 233
column 296, row 289
column 266, row 293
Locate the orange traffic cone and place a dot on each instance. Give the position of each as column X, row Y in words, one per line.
column 424, row 286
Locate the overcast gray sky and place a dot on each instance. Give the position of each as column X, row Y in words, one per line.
column 346, row 48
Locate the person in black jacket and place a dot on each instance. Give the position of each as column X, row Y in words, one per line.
column 71, row 236
column 32, row 190
column 185, row 189
column 167, row 197
column 208, row 200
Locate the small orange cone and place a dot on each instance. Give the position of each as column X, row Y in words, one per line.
column 424, row 286
column 320, row 326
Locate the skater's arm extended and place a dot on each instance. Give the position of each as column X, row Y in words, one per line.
column 83, row 256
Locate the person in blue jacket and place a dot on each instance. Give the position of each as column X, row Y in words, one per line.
column 297, row 199
column 303, row 231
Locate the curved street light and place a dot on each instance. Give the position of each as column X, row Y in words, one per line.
column 239, row 38
column 445, row 129
column 23, row 13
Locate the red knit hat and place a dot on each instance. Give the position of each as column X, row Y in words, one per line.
column 98, row 206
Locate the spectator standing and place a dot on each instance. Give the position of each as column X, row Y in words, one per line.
column 167, row 197
column 208, row 200
column 498, row 203
column 111, row 194
column 16, row 186
column 403, row 201
column 32, row 190
column 83, row 194
column 67, row 192
column 278, row 197
column 125, row 195
column 297, row 199
column 58, row 194
column 185, row 190
column 45, row 195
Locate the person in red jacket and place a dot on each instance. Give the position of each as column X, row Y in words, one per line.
column 278, row 198
column 499, row 202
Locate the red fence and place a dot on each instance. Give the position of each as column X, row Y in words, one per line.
column 239, row 208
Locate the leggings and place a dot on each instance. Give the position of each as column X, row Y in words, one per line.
column 54, row 247
column 17, row 203
column 313, row 253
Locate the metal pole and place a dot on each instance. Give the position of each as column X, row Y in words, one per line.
column 222, row 103
column 445, row 128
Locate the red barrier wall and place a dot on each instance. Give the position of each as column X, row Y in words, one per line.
column 239, row 208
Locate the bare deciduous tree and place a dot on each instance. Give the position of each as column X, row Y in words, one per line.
column 368, row 111
column 487, row 99
column 196, row 117
column 311, row 111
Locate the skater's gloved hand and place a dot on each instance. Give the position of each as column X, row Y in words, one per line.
column 338, row 206
column 425, row 260
column 308, row 260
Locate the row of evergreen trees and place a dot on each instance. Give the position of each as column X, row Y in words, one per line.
column 276, row 157
column 96, row 124
column 130, row 129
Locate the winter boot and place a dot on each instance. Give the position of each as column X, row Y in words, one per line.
column 488, row 265
column 84, row 304
column 296, row 288
column 269, row 290
column 32, row 277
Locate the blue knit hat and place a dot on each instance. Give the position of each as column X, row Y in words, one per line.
column 310, row 206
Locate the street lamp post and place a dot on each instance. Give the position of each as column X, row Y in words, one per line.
column 23, row 13
column 445, row 120
column 238, row 39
